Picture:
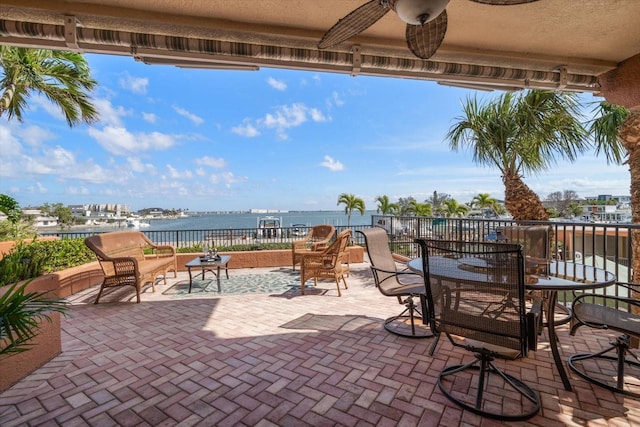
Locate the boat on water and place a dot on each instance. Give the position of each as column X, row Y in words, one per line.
column 269, row 227
column 299, row 230
column 136, row 223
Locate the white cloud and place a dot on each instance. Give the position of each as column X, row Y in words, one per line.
column 276, row 84
column 77, row 190
column 317, row 115
column 227, row 178
column 213, row 162
column 134, row 84
column 336, row 100
column 110, row 115
column 332, row 164
column 34, row 135
column 176, row 174
column 39, row 188
column 137, row 165
column 119, row 141
column 246, row 129
column 149, row 117
column 194, row 118
column 286, row 117
column 9, row 146
column 52, row 109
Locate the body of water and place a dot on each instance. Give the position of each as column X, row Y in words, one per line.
column 243, row 220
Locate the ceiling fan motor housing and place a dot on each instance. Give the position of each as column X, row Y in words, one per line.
column 418, row 12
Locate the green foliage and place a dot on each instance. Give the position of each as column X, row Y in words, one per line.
column 29, row 260
column 10, row 208
column 61, row 212
column 237, row 248
column 62, row 254
column 19, row 230
column 62, row 77
column 20, row 314
column 19, row 264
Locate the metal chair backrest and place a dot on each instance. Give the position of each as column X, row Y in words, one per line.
column 533, row 238
column 384, row 266
column 476, row 291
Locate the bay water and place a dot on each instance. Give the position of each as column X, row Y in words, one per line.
column 211, row 221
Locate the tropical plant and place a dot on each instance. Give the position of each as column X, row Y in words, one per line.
column 520, row 134
column 437, row 201
column 351, row 202
column 20, row 263
column 20, row 315
column 483, row 201
column 420, row 209
column 404, row 205
column 452, row 208
column 14, row 227
column 10, row 207
column 62, row 77
column 385, row 206
column 616, row 133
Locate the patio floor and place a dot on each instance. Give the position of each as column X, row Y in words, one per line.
column 273, row 358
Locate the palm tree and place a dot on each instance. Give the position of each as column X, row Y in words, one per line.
column 518, row 134
column 419, row 209
column 437, row 201
column 62, row 77
column 385, row 207
column 351, row 202
column 484, row 200
column 616, row 133
column 453, row 208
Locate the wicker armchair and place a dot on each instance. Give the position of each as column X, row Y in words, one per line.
column 317, row 239
column 326, row 264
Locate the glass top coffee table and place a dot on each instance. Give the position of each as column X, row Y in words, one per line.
column 214, row 265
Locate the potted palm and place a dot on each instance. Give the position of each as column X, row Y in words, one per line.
column 29, row 316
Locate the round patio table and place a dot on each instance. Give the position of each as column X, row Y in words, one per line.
column 562, row 277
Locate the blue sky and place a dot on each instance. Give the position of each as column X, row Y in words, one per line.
column 209, row 140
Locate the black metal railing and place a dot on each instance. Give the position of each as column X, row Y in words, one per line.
column 602, row 245
column 606, row 246
column 252, row 238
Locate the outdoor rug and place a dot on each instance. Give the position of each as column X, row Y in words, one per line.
column 270, row 283
column 329, row 322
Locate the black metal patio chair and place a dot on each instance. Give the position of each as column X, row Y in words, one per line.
column 475, row 294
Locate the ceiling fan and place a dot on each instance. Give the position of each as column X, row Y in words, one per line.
column 426, row 22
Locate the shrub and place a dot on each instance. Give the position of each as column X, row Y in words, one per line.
column 19, row 264
column 29, row 260
column 236, row 248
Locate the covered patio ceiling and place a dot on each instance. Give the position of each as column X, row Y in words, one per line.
column 586, row 45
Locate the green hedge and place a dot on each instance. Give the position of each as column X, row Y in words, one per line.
column 28, row 260
column 236, row 248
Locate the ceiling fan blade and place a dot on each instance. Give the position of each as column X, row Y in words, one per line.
column 354, row 23
column 503, row 2
column 424, row 40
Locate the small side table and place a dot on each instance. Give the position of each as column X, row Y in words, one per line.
column 212, row 265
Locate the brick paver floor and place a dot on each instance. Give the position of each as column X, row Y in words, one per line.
column 242, row 359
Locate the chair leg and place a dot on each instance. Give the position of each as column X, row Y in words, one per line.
column 603, row 377
column 483, row 362
column 398, row 324
column 99, row 293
